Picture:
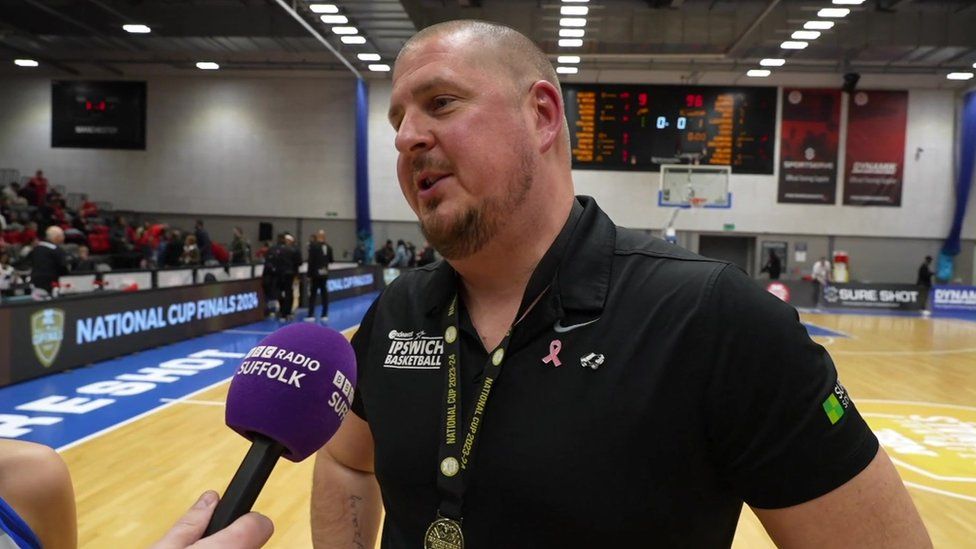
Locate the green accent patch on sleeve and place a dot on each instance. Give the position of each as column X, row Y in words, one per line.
column 833, row 409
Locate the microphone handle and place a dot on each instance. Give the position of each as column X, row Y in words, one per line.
column 246, row 484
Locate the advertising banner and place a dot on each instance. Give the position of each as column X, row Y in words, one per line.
column 809, row 145
column 874, row 166
column 954, row 298
column 900, row 297
column 49, row 336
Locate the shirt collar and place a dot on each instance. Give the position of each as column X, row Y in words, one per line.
column 577, row 265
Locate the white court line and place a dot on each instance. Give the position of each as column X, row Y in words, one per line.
column 884, row 401
column 133, row 419
column 907, row 353
column 940, row 492
column 188, row 401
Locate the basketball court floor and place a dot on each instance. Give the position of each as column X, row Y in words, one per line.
column 138, row 461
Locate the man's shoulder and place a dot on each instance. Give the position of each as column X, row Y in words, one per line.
column 645, row 252
column 412, row 288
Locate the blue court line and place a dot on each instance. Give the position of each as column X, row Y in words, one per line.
column 820, row 331
column 67, row 408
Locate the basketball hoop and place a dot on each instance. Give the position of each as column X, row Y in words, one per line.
column 697, row 202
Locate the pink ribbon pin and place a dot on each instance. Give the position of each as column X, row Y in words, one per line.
column 554, row 347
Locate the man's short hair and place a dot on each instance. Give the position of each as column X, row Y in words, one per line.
column 518, row 53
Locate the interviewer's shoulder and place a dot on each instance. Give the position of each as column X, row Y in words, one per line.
column 653, row 264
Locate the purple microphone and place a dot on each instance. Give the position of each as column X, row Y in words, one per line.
column 288, row 397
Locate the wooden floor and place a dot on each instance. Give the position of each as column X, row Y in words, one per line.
column 134, row 481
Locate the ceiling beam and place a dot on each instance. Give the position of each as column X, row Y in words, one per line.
column 735, row 46
column 91, row 30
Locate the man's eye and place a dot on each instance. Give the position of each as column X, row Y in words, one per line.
column 441, row 102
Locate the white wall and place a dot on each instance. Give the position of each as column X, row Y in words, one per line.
column 215, row 145
column 631, row 197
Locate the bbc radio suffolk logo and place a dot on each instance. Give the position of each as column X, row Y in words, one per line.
column 47, row 332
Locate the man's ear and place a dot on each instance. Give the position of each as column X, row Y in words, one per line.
column 547, row 106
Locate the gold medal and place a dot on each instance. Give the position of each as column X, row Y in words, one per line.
column 444, row 533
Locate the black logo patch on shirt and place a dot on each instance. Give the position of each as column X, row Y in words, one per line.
column 414, row 351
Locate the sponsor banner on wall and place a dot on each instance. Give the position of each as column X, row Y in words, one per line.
column 50, row 336
column 809, row 145
column 901, row 297
column 954, row 298
column 875, row 155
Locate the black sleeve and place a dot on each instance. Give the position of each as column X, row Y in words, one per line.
column 781, row 427
column 360, row 344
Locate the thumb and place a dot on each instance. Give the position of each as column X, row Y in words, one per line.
column 191, row 525
column 251, row 531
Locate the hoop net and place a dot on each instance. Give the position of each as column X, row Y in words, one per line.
column 697, row 202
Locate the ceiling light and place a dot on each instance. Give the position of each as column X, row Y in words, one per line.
column 572, row 22
column 771, row 62
column 567, row 70
column 793, row 45
column 572, row 33
column 335, row 19
column 207, row 65
column 575, row 1
column 323, row 8
column 959, row 76
column 345, row 30
column 136, row 29
column 353, row 39
column 758, row 73
column 568, row 59
column 25, row 62
column 369, row 57
column 574, row 10
column 818, row 25
column 833, row 12
column 379, row 68
column 570, row 42
column 848, row 2
column 805, row 35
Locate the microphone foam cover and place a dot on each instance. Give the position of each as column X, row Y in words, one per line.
column 294, row 387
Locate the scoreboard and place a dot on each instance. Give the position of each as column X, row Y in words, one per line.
column 98, row 114
column 639, row 126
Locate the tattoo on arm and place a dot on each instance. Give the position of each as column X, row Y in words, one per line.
column 357, row 537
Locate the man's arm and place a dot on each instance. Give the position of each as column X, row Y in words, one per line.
column 346, row 500
column 873, row 509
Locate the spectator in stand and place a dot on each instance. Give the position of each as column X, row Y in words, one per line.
column 925, row 273
column 385, row 254
column 3, row 216
column 401, row 258
column 123, row 236
column 220, row 253
column 29, row 234
column 38, row 184
column 319, row 257
column 172, row 253
column 8, row 276
column 240, row 248
column 48, row 263
column 203, row 241
column 191, row 252
column 88, row 208
column 83, row 263
column 262, row 252
column 12, row 193
column 426, row 255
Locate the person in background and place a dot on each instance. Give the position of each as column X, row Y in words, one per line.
column 821, row 277
column 240, row 248
column 8, row 275
column 427, row 255
column 88, row 208
column 48, row 263
column 773, row 266
column 83, row 263
column 284, row 260
column 203, row 242
column 359, row 254
column 38, row 184
column 319, row 257
column 401, row 259
column 191, row 251
column 385, row 254
column 924, row 277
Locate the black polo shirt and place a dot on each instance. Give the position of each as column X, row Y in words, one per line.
column 683, row 390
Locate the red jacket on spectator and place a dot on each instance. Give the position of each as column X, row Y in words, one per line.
column 155, row 233
column 27, row 236
column 89, row 209
column 220, row 253
column 39, row 183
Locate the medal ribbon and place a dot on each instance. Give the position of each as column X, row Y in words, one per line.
column 456, row 456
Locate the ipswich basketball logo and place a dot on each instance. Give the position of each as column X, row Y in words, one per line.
column 47, row 332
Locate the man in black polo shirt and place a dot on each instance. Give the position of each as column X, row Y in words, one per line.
column 560, row 381
column 48, row 262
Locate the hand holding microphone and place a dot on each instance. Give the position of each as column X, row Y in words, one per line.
column 288, row 397
column 248, row 532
